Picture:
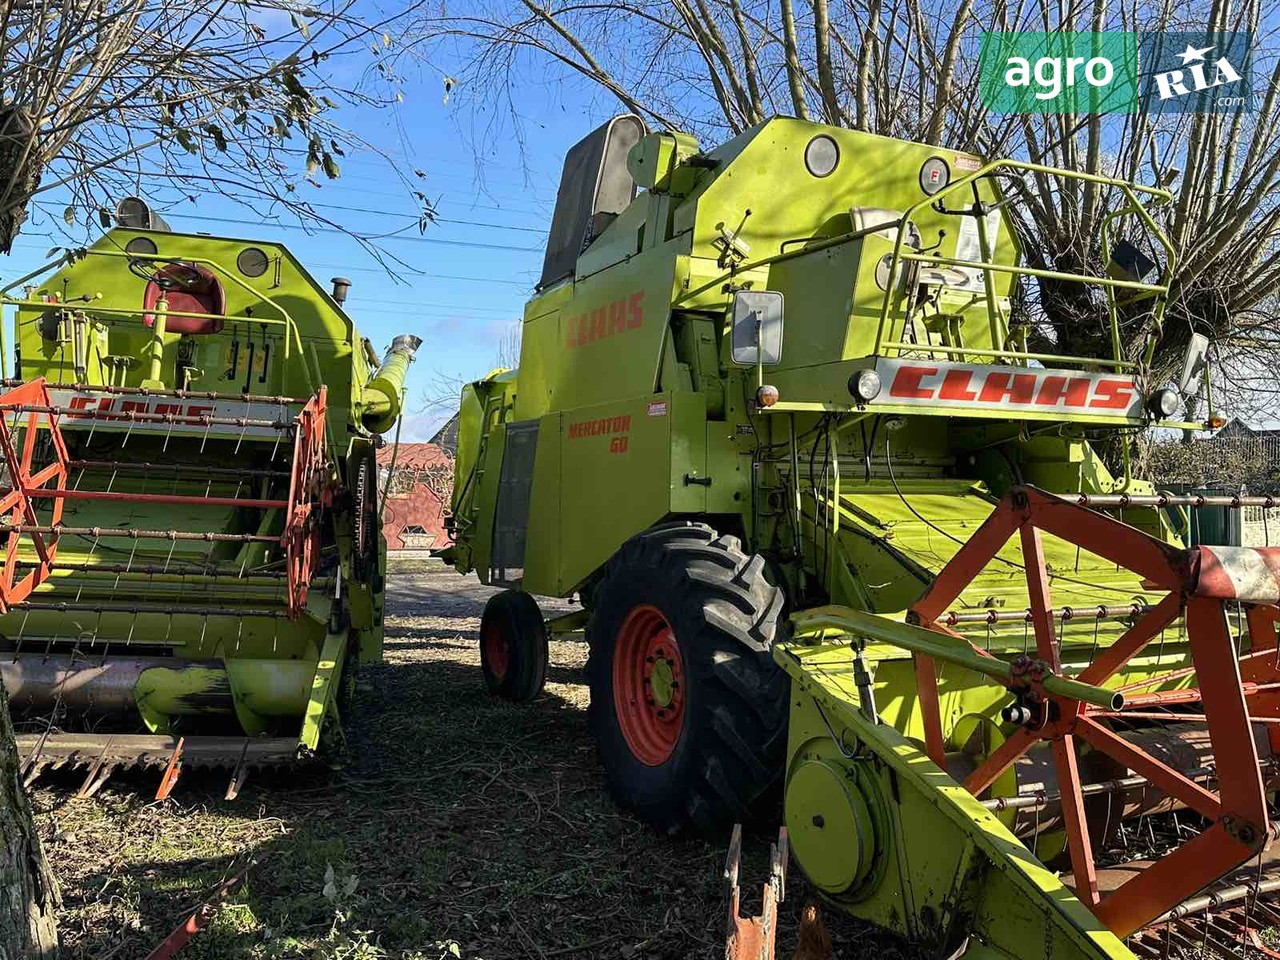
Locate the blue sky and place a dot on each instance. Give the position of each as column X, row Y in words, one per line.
column 473, row 270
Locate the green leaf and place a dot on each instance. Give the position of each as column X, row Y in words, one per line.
column 331, row 167
column 69, row 215
column 301, row 25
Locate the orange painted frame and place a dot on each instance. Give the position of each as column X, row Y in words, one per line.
column 1238, row 809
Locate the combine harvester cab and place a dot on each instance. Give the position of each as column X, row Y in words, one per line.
column 792, row 424
column 193, row 564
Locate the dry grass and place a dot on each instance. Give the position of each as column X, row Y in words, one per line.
column 457, row 820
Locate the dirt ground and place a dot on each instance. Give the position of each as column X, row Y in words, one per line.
column 459, row 826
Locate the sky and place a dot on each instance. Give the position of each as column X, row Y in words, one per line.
column 471, row 272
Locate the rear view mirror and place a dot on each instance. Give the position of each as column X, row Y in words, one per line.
column 756, row 336
column 1193, row 362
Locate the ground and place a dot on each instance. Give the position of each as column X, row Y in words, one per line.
column 459, row 825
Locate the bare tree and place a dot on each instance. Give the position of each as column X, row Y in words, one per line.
column 102, row 98
column 444, row 389
column 105, row 98
column 909, row 69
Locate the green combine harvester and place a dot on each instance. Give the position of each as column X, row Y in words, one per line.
column 193, row 561
column 834, row 525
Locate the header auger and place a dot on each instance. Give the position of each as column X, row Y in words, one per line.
column 192, row 563
column 779, row 424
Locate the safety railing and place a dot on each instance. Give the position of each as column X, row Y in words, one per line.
column 999, row 326
column 292, row 339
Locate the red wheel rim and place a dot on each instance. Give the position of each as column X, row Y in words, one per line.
column 497, row 649
column 648, row 685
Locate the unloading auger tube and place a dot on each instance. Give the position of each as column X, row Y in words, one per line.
column 769, row 397
column 193, row 564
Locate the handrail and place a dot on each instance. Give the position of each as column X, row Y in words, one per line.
column 1133, row 206
column 291, row 327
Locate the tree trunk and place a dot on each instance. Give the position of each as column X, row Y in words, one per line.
column 28, row 892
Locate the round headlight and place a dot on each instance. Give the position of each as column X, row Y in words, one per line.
column 1164, row 403
column 864, row 385
column 821, row 156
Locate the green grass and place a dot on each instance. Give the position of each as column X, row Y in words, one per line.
column 459, row 826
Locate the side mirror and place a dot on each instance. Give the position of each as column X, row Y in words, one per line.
column 1193, row 363
column 756, row 336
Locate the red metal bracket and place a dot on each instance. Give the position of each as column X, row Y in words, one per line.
column 753, row 938
column 16, row 506
column 309, row 492
column 172, row 771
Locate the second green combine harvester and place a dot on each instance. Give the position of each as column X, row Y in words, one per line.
column 193, row 562
column 776, row 423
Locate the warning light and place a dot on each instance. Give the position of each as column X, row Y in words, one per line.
column 766, row 396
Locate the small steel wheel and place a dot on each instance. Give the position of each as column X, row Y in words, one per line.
column 513, row 646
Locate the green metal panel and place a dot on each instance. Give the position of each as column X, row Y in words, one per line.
column 948, row 867
column 616, row 465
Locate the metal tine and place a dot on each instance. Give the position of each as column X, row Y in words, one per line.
column 248, row 407
column 33, row 762
column 129, row 431
column 167, row 434
column 128, row 566
column 99, row 783
column 733, row 860
column 22, row 633
column 32, row 775
column 91, row 783
column 53, row 639
column 239, row 775
column 205, row 439
column 97, row 630
column 284, row 413
column 171, row 772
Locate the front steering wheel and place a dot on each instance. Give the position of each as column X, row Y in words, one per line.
column 165, row 274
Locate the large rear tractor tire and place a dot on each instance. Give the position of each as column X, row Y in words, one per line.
column 513, row 646
column 687, row 705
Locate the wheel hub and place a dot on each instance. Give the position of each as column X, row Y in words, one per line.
column 662, row 682
column 648, row 673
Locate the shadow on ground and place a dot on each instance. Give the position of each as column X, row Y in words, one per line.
column 456, row 818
